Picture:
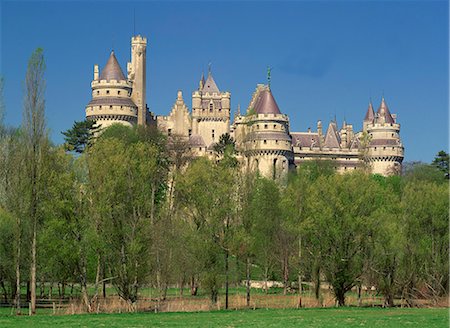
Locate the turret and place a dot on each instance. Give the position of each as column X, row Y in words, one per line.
column 137, row 74
column 385, row 151
column 267, row 142
column 111, row 101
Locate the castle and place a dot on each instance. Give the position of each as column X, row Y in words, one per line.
column 264, row 140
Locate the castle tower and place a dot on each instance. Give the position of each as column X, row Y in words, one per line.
column 385, row 153
column 137, row 75
column 267, row 142
column 210, row 111
column 111, row 96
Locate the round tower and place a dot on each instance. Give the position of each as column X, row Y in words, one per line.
column 111, row 96
column 267, row 142
column 385, row 149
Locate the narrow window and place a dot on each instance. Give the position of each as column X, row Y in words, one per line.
column 169, row 132
column 265, row 141
column 107, row 92
column 190, row 132
column 265, row 126
column 211, row 107
column 212, row 133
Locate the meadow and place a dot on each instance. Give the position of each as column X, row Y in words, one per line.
column 332, row 317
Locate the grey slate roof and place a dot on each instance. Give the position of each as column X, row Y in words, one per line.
column 370, row 114
column 196, row 140
column 332, row 138
column 266, row 104
column 112, row 70
column 383, row 111
column 305, row 139
column 210, row 85
column 113, row 101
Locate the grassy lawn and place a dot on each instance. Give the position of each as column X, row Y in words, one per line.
column 343, row 317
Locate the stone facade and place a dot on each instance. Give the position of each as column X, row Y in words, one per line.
column 264, row 140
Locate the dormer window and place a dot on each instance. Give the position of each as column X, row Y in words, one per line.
column 211, row 106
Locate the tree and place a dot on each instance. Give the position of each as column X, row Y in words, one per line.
column 35, row 143
column 340, row 222
column 123, row 173
column 80, row 136
column 441, row 161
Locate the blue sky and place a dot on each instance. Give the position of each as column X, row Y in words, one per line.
column 328, row 58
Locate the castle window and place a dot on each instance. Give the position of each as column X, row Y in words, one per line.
column 121, row 107
column 265, row 141
column 392, row 148
column 110, row 106
column 107, row 92
column 384, row 148
column 276, row 141
column 274, row 126
column 354, row 168
column 375, row 148
column 190, row 132
column 257, row 126
column 392, row 135
column 211, row 107
column 345, row 167
column 212, row 134
column 169, row 132
column 100, row 106
column 118, row 92
column 98, row 92
column 200, row 149
column 220, row 109
column 265, row 126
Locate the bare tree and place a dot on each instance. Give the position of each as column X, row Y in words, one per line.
column 35, row 140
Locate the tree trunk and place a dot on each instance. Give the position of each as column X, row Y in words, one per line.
column 340, row 296
column 18, row 273
column 317, row 283
column 300, row 272
column 33, row 268
column 248, row 280
column 226, row 280
column 285, row 273
column 193, row 286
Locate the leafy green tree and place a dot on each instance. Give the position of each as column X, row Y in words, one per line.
column 36, row 145
column 80, row 136
column 441, row 161
column 341, row 220
column 122, row 179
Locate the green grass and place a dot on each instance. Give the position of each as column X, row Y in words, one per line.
column 342, row 317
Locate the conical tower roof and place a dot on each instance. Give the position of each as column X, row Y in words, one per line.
column 210, row 85
column 112, row 70
column 266, row 104
column 370, row 114
column 383, row 111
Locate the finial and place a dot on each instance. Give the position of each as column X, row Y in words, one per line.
column 209, row 68
column 239, row 109
column 269, row 69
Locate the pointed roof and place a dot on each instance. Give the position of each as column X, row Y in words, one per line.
column 383, row 111
column 210, row 85
column 266, row 104
column 370, row 114
column 112, row 70
column 332, row 139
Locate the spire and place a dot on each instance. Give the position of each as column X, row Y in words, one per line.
column 266, row 104
column 370, row 114
column 112, row 70
column 384, row 113
column 210, row 85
